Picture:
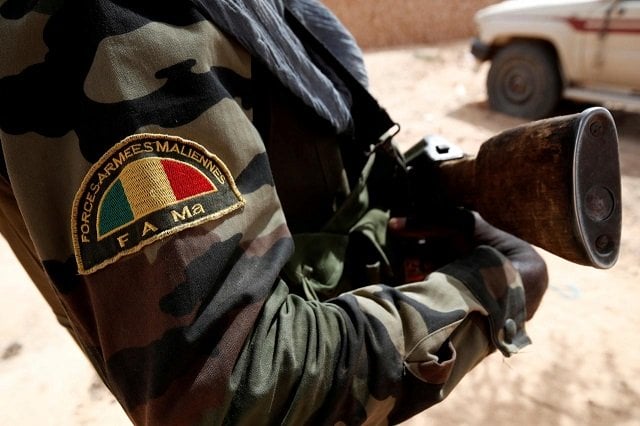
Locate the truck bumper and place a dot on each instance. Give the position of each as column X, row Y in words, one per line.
column 480, row 49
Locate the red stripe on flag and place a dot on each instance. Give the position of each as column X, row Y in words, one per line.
column 185, row 180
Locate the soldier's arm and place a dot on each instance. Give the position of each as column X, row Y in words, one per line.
column 174, row 292
column 391, row 352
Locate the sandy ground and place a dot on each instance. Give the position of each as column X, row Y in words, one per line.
column 583, row 368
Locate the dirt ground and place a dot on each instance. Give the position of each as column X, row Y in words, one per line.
column 582, row 370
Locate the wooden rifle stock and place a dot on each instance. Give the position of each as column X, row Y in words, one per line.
column 554, row 183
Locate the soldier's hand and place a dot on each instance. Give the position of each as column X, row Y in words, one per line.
column 426, row 246
column 522, row 255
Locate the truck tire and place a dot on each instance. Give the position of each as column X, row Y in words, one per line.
column 524, row 80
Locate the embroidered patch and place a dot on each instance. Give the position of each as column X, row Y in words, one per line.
column 145, row 188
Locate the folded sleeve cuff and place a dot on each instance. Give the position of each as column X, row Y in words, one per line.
column 497, row 285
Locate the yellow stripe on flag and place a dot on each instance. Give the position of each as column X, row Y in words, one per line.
column 146, row 186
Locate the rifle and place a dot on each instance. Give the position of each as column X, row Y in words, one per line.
column 554, row 183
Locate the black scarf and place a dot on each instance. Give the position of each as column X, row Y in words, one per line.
column 260, row 27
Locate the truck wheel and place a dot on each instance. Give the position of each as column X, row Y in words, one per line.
column 524, row 80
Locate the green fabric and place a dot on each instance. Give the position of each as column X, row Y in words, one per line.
column 317, row 268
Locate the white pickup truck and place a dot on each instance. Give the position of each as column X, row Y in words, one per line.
column 545, row 50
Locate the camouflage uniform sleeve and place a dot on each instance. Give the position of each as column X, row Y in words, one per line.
column 379, row 353
column 148, row 197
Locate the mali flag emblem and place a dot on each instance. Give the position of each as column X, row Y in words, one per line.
column 145, row 188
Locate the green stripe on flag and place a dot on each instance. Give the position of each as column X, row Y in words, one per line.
column 115, row 210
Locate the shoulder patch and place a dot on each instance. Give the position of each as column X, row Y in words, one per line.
column 143, row 189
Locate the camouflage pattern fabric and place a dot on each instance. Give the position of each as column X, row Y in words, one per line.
column 164, row 249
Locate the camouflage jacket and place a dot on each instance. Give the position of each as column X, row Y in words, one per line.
column 130, row 141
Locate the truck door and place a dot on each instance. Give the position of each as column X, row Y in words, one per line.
column 614, row 59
